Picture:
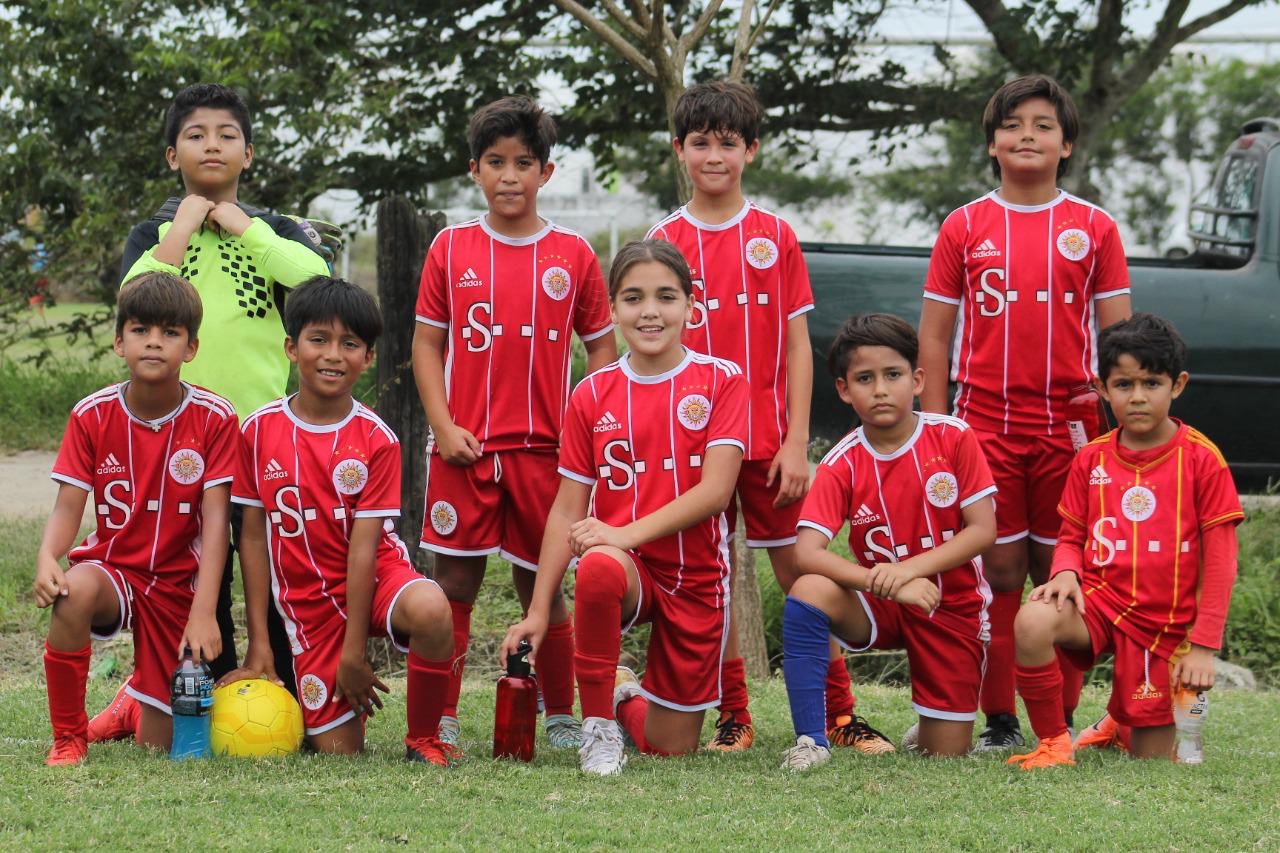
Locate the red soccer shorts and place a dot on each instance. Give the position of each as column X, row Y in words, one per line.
column 766, row 527
column 686, row 645
column 944, row 653
column 499, row 505
column 1030, row 472
column 156, row 611
column 1141, row 693
column 315, row 668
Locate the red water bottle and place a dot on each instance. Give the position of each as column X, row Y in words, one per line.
column 515, row 719
column 1085, row 418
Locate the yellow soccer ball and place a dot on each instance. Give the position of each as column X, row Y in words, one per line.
column 254, row 718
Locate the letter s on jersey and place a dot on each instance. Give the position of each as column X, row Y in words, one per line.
column 289, row 502
column 477, row 333
column 1105, row 546
column 873, row 547
column 109, row 499
column 618, row 465
column 991, row 293
column 698, row 317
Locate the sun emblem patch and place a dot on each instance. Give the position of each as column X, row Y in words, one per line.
column 186, row 465
column 762, row 252
column 1138, row 503
column 349, row 476
column 312, row 692
column 556, row 282
column 444, row 518
column 942, row 489
column 694, row 411
column 1073, row 244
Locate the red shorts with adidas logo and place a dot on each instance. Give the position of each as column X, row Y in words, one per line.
column 1141, row 692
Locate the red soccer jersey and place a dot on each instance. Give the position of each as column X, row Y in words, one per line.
column 749, row 280
column 617, row 439
column 509, row 306
column 1025, row 280
column 1142, row 515
column 313, row 481
column 905, row 503
column 147, row 478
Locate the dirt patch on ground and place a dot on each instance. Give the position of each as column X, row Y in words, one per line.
column 29, row 493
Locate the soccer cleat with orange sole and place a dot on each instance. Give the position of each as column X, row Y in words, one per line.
column 69, row 749
column 1104, row 734
column 1051, row 752
column 117, row 721
column 731, row 735
column 852, row 730
column 431, row 750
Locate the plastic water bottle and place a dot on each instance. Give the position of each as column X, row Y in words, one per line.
column 191, row 698
column 1084, row 416
column 1189, row 711
column 515, row 718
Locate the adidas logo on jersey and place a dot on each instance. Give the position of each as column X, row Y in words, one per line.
column 274, row 471
column 986, row 249
column 864, row 515
column 607, row 423
column 111, row 465
column 1098, row 477
column 470, row 279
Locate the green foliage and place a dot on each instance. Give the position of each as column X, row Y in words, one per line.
column 37, row 400
column 1252, row 637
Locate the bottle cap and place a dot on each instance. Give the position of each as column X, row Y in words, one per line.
column 518, row 661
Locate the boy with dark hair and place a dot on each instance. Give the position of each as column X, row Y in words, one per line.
column 499, row 300
column 751, row 294
column 1145, row 559
column 319, row 479
column 240, row 261
column 1021, row 279
column 157, row 454
column 915, row 490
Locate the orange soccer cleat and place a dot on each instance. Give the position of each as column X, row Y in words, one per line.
column 1051, row 752
column 852, row 730
column 1104, row 734
column 117, row 721
column 431, row 750
column 69, row 749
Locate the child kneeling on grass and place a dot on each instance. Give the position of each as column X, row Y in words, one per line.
column 319, row 479
column 158, row 456
column 916, row 491
column 1147, row 549
column 659, row 435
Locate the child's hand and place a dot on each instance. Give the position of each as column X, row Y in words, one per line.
column 356, row 683
column 258, row 663
column 1195, row 669
column 201, row 636
column 919, row 592
column 590, row 532
column 532, row 628
column 1062, row 587
column 885, row 579
column 50, row 582
column 192, row 213
column 230, row 218
column 457, row 445
column 790, row 469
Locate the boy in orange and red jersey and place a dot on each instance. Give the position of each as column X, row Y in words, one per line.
column 1021, row 279
column 1147, row 549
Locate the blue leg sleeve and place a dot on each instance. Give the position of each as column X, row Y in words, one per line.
column 805, row 633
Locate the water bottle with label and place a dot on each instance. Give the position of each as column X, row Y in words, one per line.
column 1189, row 711
column 191, row 699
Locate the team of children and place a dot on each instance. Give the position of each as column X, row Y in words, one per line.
column 655, row 453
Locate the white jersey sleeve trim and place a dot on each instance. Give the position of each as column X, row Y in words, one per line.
column 576, row 477
column 989, row 490
column 429, row 322
column 237, row 499
column 71, row 481
column 803, row 309
column 593, row 335
column 804, row 522
column 378, row 513
column 928, row 294
column 209, row 484
column 1107, row 294
column 733, row 442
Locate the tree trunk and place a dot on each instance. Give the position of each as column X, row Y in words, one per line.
column 748, row 609
column 402, row 240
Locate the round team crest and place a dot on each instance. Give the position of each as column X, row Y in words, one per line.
column 186, row 465
column 349, row 476
column 942, row 489
column 444, row 518
column 312, row 692
column 556, row 282
column 694, row 411
column 762, row 252
column 1073, row 244
column 1138, row 503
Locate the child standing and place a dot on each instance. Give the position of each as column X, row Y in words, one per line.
column 157, row 455
column 499, row 300
column 658, row 437
column 1021, row 279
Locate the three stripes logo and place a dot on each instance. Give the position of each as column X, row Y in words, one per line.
column 1098, row 476
column 864, row 515
column 274, row 471
column 111, row 465
column 470, row 279
column 986, row 249
column 607, row 423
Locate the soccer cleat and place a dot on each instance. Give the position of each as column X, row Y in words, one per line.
column 1104, row 734
column 1050, row 752
column 852, row 730
column 910, row 740
column 731, row 735
column 450, row 730
column 626, row 685
column 69, row 749
column 431, row 750
column 564, row 731
column 805, row 755
column 601, row 753
column 117, row 721
column 1002, row 732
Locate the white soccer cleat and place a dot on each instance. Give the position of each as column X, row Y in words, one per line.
column 805, row 755
column 626, row 685
column 601, row 753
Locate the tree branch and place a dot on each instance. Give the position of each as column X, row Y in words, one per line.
column 1211, row 18
column 690, row 39
column 603, row 32
column 1009, row 38
column 624, row 20
column 764, row 23
column 741, row 39
column 641, row 12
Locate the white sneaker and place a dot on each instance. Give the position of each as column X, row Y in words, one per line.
column 601, row 753
column 911, row 739
column 564, row 731
column 805, row 755
column 450, row 730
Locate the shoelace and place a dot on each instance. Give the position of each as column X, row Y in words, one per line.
column 601, row 746
column 858, row 729
column 727, row 732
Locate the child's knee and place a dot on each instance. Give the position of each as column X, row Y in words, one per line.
column 814, row 590
column 1035, row 624
column 600, row 577
column 430, row 618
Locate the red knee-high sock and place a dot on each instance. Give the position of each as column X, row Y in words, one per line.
column 1041, row 691
column 555, row 668
column 425, row 694
column 839, row 691
column 631, row 716
column 601, row 584
column 66, row 674
column 733, row 689
column 1072, row 683
column 461, row 637
column 997, row 683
